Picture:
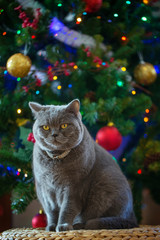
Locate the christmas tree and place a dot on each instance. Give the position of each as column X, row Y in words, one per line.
column 103, row 53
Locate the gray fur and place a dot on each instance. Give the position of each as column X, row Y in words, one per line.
column 85, row 189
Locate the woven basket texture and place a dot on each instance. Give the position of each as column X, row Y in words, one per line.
column 143, row 232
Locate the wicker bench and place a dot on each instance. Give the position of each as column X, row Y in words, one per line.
column 143, row 232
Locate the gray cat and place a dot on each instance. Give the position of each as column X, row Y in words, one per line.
column 78, row 183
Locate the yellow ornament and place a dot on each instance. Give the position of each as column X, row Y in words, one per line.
column 145, row 73
column 18, row 65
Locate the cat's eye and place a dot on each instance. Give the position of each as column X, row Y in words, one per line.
column 45, row 127
column 65, row 125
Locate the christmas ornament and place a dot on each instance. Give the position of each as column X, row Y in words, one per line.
column 72, row 37
column 109, row 137
column 40, row 220
column 18, row 65
column 93, row 5
column 145, row 73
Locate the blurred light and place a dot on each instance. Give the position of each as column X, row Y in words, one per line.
column 124, row 159
column 79, row 19
column 59, row 87
column 147, row 110
column 98, row 65
column 37, row 92
column 70, row 85
column 146, row 119
column 5, row 72
column 115, row 15
column 18, row 31
column 4, row 33
column 55, row 78
column 139, row 171
column 109, row 20
column 128, row 2
column 157, row 68
column 110, row 124
column 59, row 4
column 123, row 38
column 98, row 17
column 145, row 135
column 133, row 92
column 123, row 69
column 19, row 111
column 33, row 37
column 84, row 13
column 144, row 19
column 75, row 67
column 26, row 175
column 18, row 173
column 120, row 83
column 146, row 1
column 19, row 169
column 18, row 79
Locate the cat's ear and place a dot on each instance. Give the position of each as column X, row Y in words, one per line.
column 35, row 107
column 74, row 106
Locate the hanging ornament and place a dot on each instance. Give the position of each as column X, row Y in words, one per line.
column 18, row 65
column 93, row 5
column 40, row 220
column 145, row 73
column 109, row 137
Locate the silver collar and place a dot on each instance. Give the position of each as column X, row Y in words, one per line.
column 64, row 154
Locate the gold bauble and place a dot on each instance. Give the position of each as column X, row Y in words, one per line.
column 145, row 73
column 18, row 65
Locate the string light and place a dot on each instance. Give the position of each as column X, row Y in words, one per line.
column 5, row 72
column 120, row 83
column 18, row 79
column 33, row 37
column 55, row 78
column 19, row 169
column 59, row 87
column 115, row 15
column 128, row 2
column 70, row 85
column 110, row 124
column 19, row 111
column 98, row 65
column 144, row 19
column 123, row 69
column 84, row 13
column 124, row 159
column 18, row 31
column 133, row 92
column 146, row 119
column 146, row 1
column 147, row 110
column 75, row 67
column 26, row 175
column 37, row 92
column 139, row 171
column 4, row 33
column 98, row 17
column 59, row 4
column 79, row 20
column 123, row 38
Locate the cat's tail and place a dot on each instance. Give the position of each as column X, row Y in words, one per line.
column 110, row 223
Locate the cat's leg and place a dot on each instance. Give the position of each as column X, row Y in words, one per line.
column 70, row 208
column 51, row 210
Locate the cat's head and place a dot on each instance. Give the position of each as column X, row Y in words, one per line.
column 57, row 127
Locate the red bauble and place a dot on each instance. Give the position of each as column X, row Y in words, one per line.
column 40, row 220
column 93, row 5
column 109, row 138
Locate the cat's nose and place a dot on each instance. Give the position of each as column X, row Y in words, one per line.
column 54, row 134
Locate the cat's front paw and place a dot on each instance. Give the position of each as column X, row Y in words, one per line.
column 78, row 226
column 64, row 227
column 51, row 227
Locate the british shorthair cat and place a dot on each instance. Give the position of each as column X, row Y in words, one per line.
column 77, row 181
